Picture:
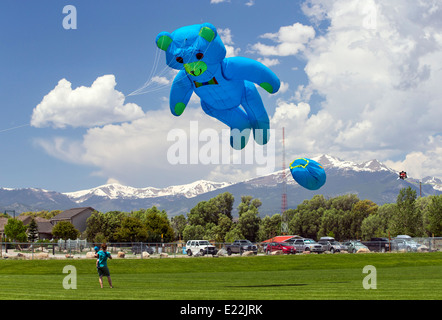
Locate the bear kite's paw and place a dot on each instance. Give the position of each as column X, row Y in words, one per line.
column 267, row 87
column 179, row 108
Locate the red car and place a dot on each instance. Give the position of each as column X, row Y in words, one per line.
column 286, row 248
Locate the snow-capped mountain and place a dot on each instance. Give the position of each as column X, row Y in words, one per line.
column 368, row 180
column 117, row 191
column 374, row 165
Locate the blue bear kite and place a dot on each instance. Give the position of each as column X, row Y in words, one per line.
column 223, row 84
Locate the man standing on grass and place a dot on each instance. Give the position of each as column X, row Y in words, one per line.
column 102, row 268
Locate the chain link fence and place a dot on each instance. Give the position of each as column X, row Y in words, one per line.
column 78, row 249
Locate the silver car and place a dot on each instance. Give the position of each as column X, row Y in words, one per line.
column 330, row 244
column 307, row 244
column 406, row 243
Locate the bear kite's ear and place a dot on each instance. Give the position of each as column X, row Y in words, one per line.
column 207, row 32
column 164, row 39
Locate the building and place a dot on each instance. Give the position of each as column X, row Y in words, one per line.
column 3, row 222
column 76, row 216
column 44, row 226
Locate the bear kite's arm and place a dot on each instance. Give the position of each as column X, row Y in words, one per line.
column 180, row 93
column 240, row 68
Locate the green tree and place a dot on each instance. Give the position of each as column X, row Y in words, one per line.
column 65, row 230
column 433, row 218
column 193, row 232
column 248, row 224
column 361, row 210
column 330, row 223
column 178, row 224
column 247, row 202
column 373, row 226
column 203, row 213
column 15, row 230
column 94, row 227
column 32, row 230
column 306, row 223
column 344, row 202
column 407, row 218
column 234, row 234
column 220, row 230
column 131, row 230
column 158, row 226
column 269, row 227
column 224, row 203
column 249, row 220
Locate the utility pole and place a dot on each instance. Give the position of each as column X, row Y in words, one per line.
column 284, row 222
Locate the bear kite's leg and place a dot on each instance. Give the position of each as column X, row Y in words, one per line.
column 236, row 119
column 257, row 113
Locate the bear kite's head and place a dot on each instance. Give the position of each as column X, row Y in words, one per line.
column 195, row 48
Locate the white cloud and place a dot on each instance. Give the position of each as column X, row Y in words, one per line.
column 421, row 164
column 161, row 80
column 377, row 69
column 227, row 37
column 136, row 153
column 250, row 3
column 98, row 104
column 269, row 62
column 290, row 40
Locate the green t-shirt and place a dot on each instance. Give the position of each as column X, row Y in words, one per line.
column 102, row 258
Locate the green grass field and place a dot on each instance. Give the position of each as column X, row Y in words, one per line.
column 400, row 276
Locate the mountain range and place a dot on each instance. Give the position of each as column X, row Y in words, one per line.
column 368, row 180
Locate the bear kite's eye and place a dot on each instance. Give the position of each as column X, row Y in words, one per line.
column 179, row 59
column 199, row 56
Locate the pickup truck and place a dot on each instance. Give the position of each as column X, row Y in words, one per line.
column 240, row 246
column 378, row 244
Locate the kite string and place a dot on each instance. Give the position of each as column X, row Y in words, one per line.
column 13, row 128
column 154, row 74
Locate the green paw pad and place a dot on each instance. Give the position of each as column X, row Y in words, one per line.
column 179, row 108
column 267, row 87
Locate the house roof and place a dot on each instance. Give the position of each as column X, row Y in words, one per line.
column 280, row 238
column 70, row 213
column 43, row 225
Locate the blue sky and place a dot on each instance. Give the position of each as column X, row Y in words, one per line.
column 360, row 81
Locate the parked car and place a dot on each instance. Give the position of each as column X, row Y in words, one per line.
column 404, row 242
column 330, row 244
column 138, row 248
column 378, row 244
column 202, row 247
column 354, row 246
column 306, row 244
column 240, row 246
column 286, row 248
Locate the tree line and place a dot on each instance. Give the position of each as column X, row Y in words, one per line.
column 342, row 217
